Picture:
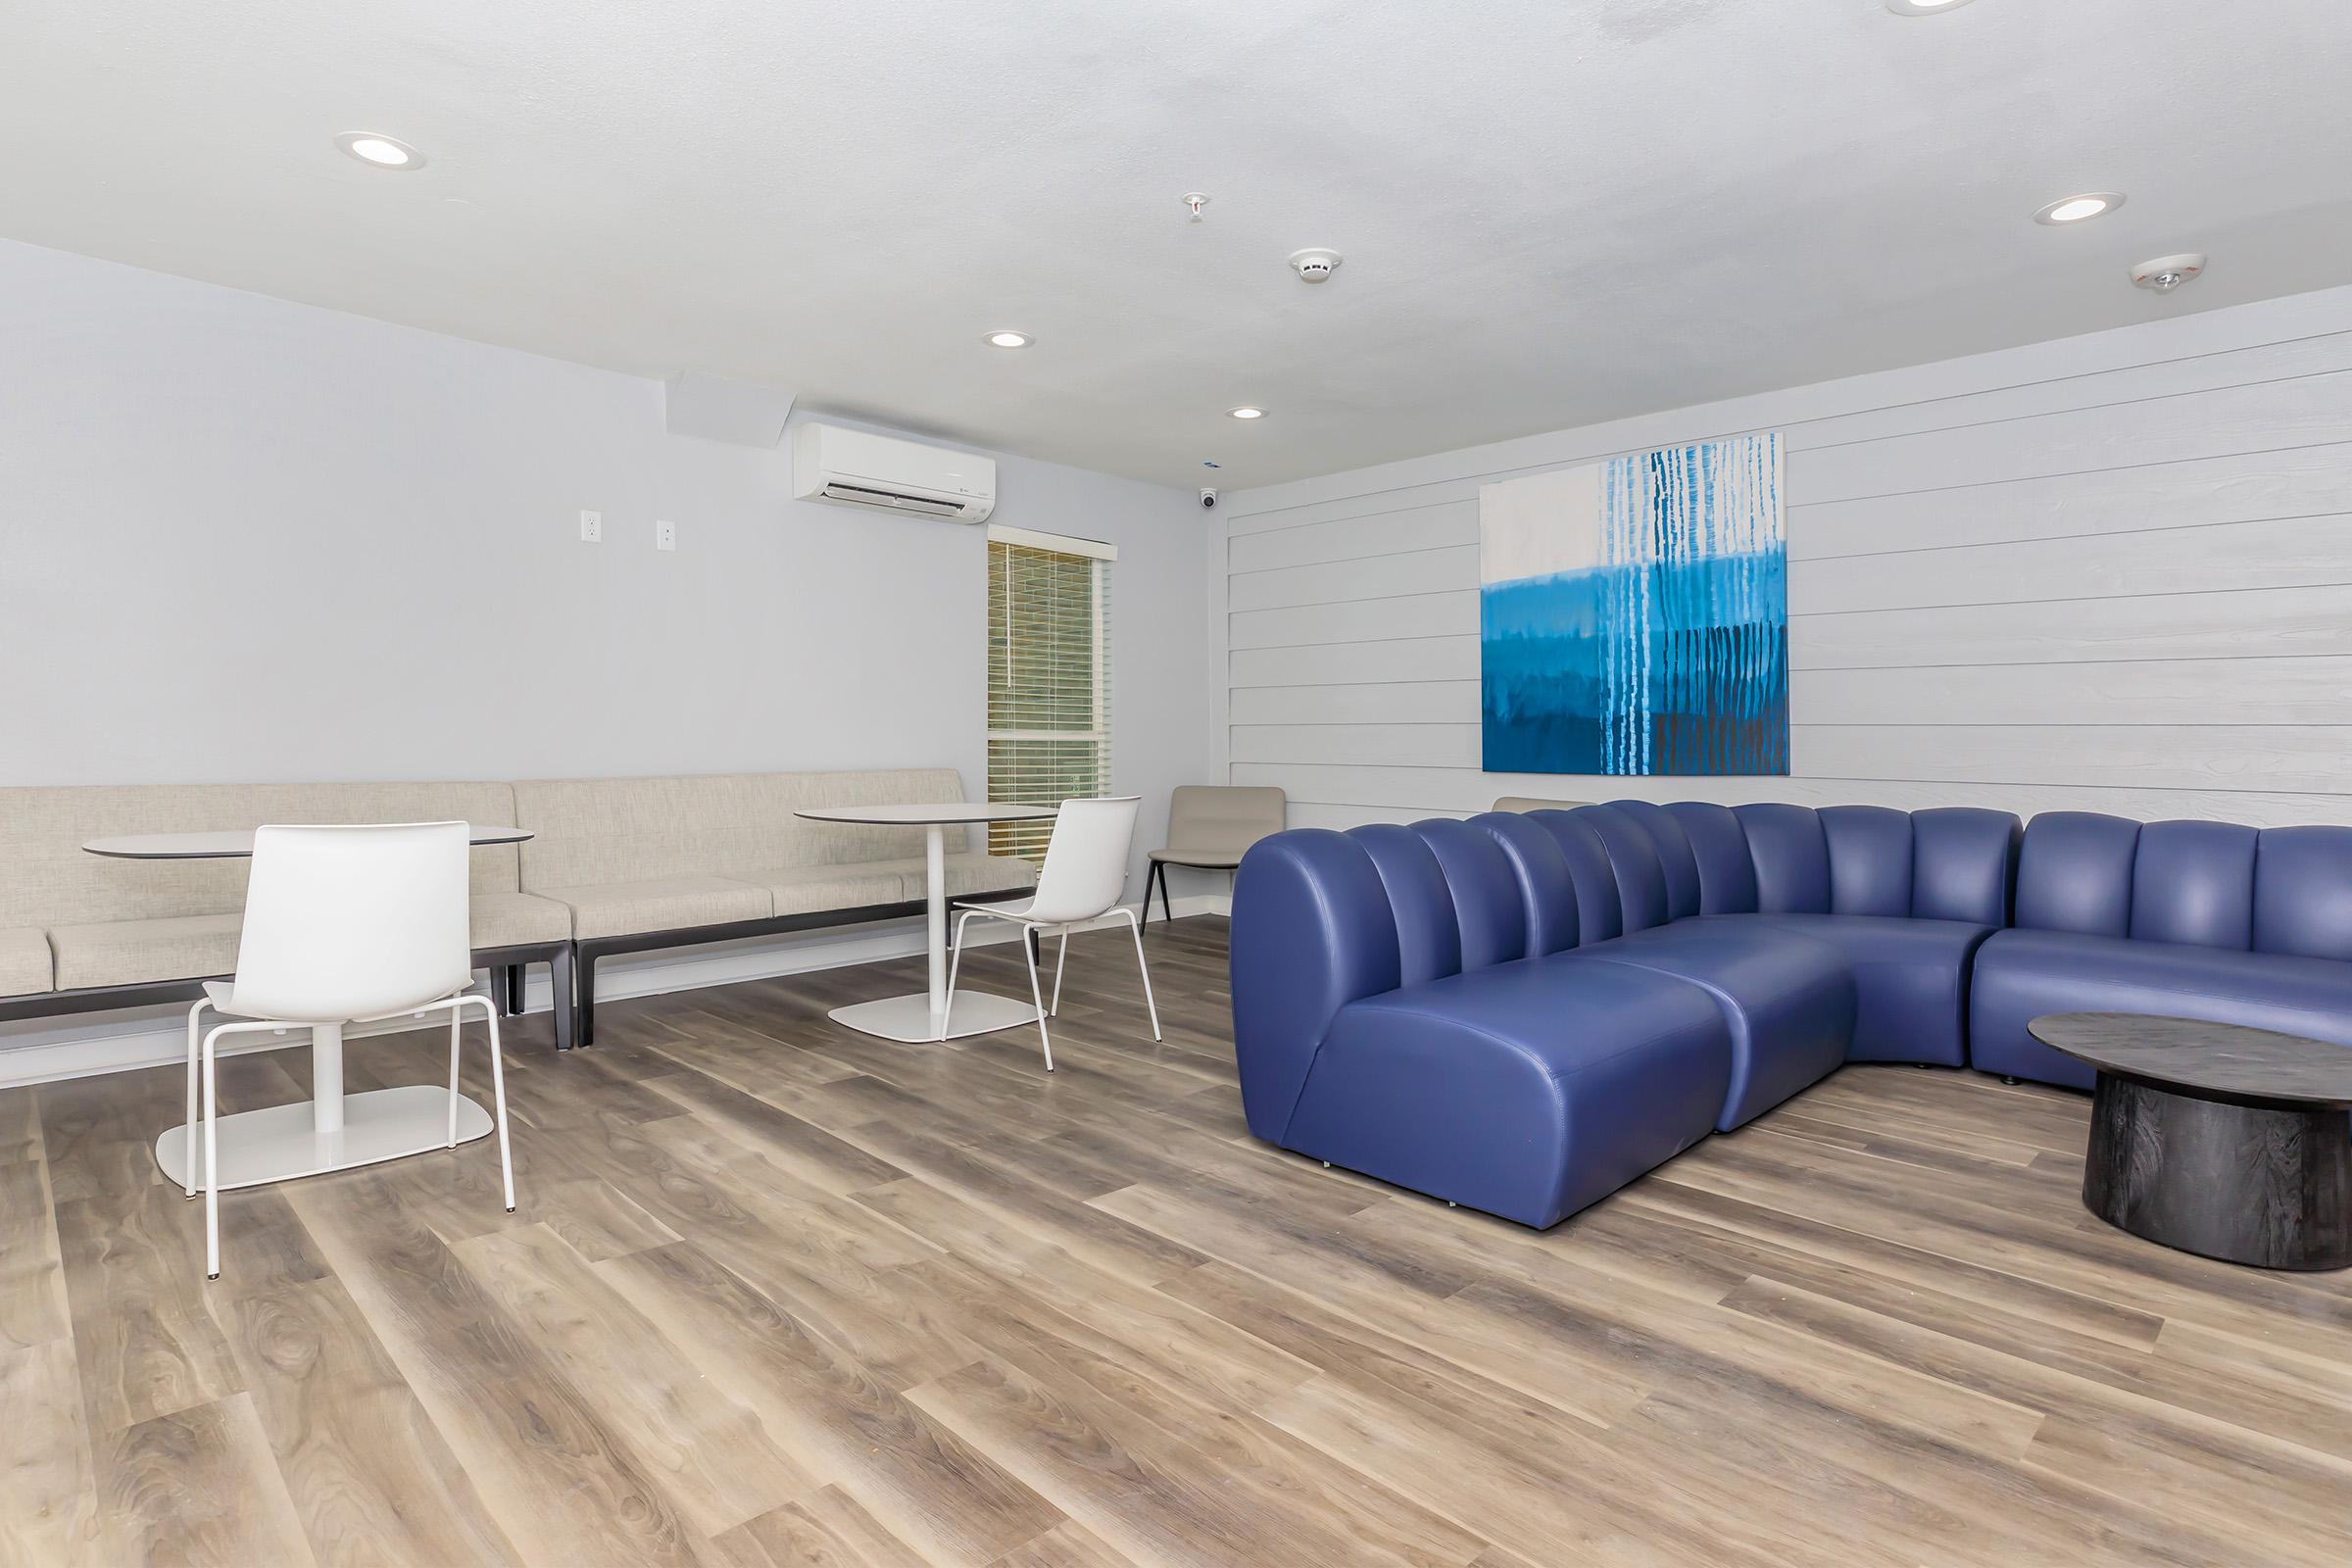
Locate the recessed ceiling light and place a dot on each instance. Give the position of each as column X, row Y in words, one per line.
column 1245, row 412
column 2078, row 208
column 383, row 152
column 1923, row 8
column 1009, row 340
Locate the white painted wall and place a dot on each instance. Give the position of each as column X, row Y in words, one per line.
column 243, row 539
column 2110, row 572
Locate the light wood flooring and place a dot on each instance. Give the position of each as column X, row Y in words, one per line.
column 780, row 1293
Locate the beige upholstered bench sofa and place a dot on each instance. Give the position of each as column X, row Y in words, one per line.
column 617, row 866
column 81, row 932
column 666, row 862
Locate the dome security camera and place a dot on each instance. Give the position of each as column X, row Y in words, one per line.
column 1208, row 499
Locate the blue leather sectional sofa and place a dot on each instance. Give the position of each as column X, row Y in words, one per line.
column 1521, row 1013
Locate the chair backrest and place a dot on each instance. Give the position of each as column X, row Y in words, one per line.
column 1222, row 820
column 1523, row 803
column 1086, row 859
column 353, row 922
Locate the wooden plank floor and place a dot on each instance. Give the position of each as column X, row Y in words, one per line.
column 781, row 1293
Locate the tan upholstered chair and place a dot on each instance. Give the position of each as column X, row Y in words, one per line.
column 1535, row 803
column 1210, row 827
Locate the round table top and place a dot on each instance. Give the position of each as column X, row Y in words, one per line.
column 925, row 815
column 2215, row 1058
column 237, row 842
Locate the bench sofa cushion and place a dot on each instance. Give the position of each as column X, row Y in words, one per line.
column 660, row 904
column 2020, row 975
column 126, row 952
column 192, row 946
column 815, row 888
column 25, row 963
column 1788, row 1001
column 862, row 884
column 518, row 919
column 1470, row 1087
column 978, row 873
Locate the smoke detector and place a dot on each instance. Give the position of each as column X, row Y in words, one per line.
column 2168, row 272
column 1314, row 263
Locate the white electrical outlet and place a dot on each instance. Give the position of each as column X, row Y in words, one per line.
column 666, row 535
column 592, row 527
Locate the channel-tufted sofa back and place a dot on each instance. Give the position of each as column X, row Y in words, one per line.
column 2282, row 890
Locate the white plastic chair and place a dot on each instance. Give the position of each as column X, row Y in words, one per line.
column 345, row 925
column 1086, row 866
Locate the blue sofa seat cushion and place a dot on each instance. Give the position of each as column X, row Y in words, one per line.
column 1788, row 1001
column 1910, row 979
column 2020, row 975
column 1527, row 1089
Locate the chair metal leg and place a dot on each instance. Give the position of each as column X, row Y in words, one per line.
column 194, row 1050
column 1135, row 929
column 457, row 1021
column 212, row 1164
column 1037, row 996
column 955, row 963
column 1167, row 910
column 498, row 1102
column 1060, row 963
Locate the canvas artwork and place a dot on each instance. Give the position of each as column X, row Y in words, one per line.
column 1633, row 615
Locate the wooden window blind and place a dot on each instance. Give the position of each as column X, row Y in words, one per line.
column 1048, row 678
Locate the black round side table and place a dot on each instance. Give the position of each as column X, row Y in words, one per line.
column 2232, row 1142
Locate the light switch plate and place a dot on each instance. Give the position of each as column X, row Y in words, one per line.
column 592, row 527
column 666, row 535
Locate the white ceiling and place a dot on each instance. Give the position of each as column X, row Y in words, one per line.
column 1552, row 212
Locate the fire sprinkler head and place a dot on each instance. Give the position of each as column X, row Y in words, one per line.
column 2168, row 272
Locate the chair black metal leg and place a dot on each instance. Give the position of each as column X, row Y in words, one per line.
column 509, row 994
column 559, row 974
column 1166, row 912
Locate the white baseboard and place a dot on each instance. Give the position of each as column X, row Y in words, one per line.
column 154, row 1036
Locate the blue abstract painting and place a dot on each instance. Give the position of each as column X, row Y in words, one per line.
column 1633, row 615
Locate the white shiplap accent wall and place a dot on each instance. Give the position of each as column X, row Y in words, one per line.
column 2111, row 573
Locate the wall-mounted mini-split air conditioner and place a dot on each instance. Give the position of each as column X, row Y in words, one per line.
column 882, row 474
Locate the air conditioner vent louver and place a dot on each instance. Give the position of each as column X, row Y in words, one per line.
column 846, row 467
column 860, row 495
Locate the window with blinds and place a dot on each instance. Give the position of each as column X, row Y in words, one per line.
column 1048, row 678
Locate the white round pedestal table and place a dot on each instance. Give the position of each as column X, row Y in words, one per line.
column 921, row 1019
column 334, row 1131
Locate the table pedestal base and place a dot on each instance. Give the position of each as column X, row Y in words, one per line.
column 2254, row 1182
column 911, row 1020
column 275, row 1145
